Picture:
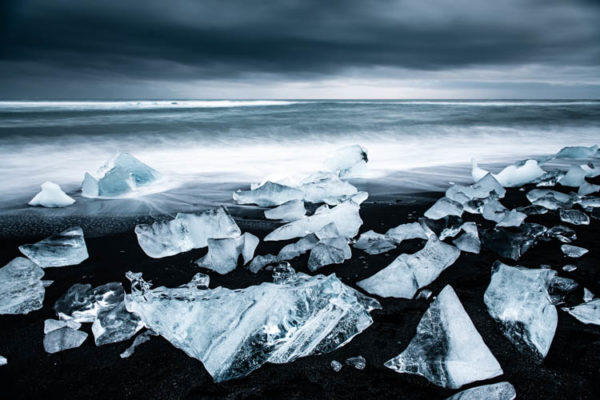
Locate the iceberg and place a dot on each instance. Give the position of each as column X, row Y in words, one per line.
column 51, row 196
column 327, row 252
column 287, row 212
column 495, row 391
column 139, row 339
column 515, row 242
column 447, row 350
column 59, row 250
column 574, row 217
column 233, row 332
column 513, row 175
column 518, row 299
column 358, row 362
column 412, row 230
column 468, row 241
column 63, row 339
column 223, row 254
column 268, row 195
column 444, row 207
column 573, row 251
column 577, row 152
column 374, row 243
column 347, row 160
column 21, row 287
column 587, row 313
column 562, row 233
column 410, row 272
column 119, row 176
column 186, row 232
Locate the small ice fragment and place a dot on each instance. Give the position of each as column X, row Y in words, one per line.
column 493, row 210
column 374, row 243
column 63, row 339
column 21, row 287
column 533, row 210
column 588, row 313
column 336, row 366
column 468, row 241
column 59, row 250
column 139, row 339
column 53, row 324
column 199, row 281
column 412, row 230
column 574, row 217
column 451, row 231
column 513, row 243
column 259, row 262
column 513, row 175
column 287, row 212
column 347, row 159
column 562, row 233
column 3, row 361
column 357, row 362
column 328, row 252
column 494, row 391
column 577, row 152
column 282, row 272
column 424, row 294
column 51, row 196
column 223, row 254
column 559, row 288
column 268, row 195
column 444, row 207
column 115, row 325
column 82, row 303
column 569, row 268
column 447, row 349
column 573, row 251
column 587, row 295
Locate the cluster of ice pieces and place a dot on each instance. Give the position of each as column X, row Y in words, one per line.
column 60, row 250
column 51, row 196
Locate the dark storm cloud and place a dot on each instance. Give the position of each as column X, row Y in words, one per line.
column 184, row 40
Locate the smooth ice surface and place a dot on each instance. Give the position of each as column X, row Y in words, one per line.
column 374, row 243
column 139, row 339
column 82, row 303
column 288, row 252
column 495, row 391
column 468, row 241
column 412, row 230
column 588, row 313
column 574, row 217
column 513, row 175
column 234, row 332
column 186, row 232
column 51, row 196
column 54, row 324
column 358, row 362
column 329, row 251
column 444, row 207
column 409, row 272
column 518, row 299
column 347, row 159
column 587, row 188
column 589, row 203
column 21, row 287
column 569, row 268
column 269, row 194
column 574, row 177
column 287, row 212
column 345, row 216
column 60, row 250
column 447, row 349
column 513, row 243
column 223, row 254
column 63, row 339
column 573, row 251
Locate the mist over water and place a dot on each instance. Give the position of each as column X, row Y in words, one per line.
column 205, row 149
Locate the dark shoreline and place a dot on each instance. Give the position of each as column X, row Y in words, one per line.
column 157, row 370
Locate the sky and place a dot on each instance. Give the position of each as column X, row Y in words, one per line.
column 241, row 49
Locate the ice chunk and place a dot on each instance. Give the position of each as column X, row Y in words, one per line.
column 282, row 272
column 336, row 366
column 234, row 332
column 412, row 230
column 82, row 303
column 562, row 233
column 409, row 272
column 347, row 159
column 328, row 189
column 569, row 268
column 186, row 232
column 345, row 216
column 483, row 188
column 287, row 212
column 357, row 362
column 119, row 176
column 559, row 288
column 140, row 339
column 550, row 199
column 328, row 231
column 512, row 218
column 532, row 210
column 447, row 349
column 573, row 251
column 587, row 295
column 450, row 231
column 493, row 210
column 223, row 254
column 519, row 300
column 424, row 294
column 515, row 242
column 575, row 177
column 588, row 313
column 329, row 251
column 444, row 207
column 51, row 196
column 374, row 243
column 513, row 175
column 53, row 324
column 302, row 246
column 259, row 262
column 577, row 152
column 64, row 248
column 587, row 188
column 574, row 217
column 21, row 287
column 468, row 241
column 115, row 325
column 495, row 391
column 268, row 195
column 63, row 339
column 589, row 203
column 550, row 178
column 199, row 281
column 3, row 361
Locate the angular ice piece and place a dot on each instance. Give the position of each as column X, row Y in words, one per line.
column 345, row 216
column 532, row 210
column 587, row 188
column 336, row 366
column 329, row 189
column 550, row 178
column 587, row 295
column 412, row 230
column 550, row 199
column 513, row 175
column 559, row 288
column 515, row 242
column 495, row 391
column 562, row 233
column 589, row 203
column 424, row 294
column 588, row 313
column 287, row 212
column 574, row 217
column 512, row 218
column 223, row 254
column 519, row 300
column 82, row 303
column 347, row 159
column 63, row 339
column 374, row 243
column 186, row 232
column 234, row 332
column 577, row 152
column 359, row 197
column 115, row 325
column 268, row 195
column 569, row 268
column 327, row 252
column 259, row 262
column 493, row 210
column 51, row 196
column 282, row 272
column 64, row 248
column 357, row 362
column 199, row 281
column 120, row 175
column 140, row 339
column 484, row 188
column 444, row 207
column 575, row 177
column 447, row 349
column 573, row 251
column 302, row 246
column 468, row 241
column 410, row 272
column 53, row 324
column 21, row 287
column 4, row 361
column 449, row 232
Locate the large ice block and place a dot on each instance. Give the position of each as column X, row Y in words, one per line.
column 513, row 175
column 21, row 287
column 444, row 207
column 447, row 349
column 269, row 194
column 59, row 250
column 186, row 232
column 234, row 332
column 494, row 391
column 63, row 339
column 346, row 160
column 327, row 189
column 51, row 196
column 588, row 313
column 287, row 212
column 223, row 254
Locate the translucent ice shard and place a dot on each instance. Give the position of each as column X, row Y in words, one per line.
column 519, row 300
column 587, row 295
column 234, row 332
column 223, row 254
column 259, row 262
column 287, row 212
column 577, row 152
column 587, row 313
column 329, row 251
column 444, row 207
column 51, row 196
column 483, row 188
column 513, row 243
column 62, row 249
column 336, row 366
column 63, row 339
column 575, row 177
column 495, row 391
column 328, row 189
column 282, row 272
column 374, row 243
column 513, row 175
column 268, row 195
column 412, row 230
column 139, row 339
column 512, row 218
column 358, row 362
column 347, row 159
column 447, row 349
column 573, row 251
column 82, row 303
column 574, row 217
column 468, row 241
column 409, row 272
column 21, row 287
column 53, row 324
column 115, row 325
column 186, row 232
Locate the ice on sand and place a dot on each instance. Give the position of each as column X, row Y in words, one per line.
column 573, row 251
column 410, row 272
column 513, row 243
column 519, row 300
column 63, row 339
column 513, row 175
column 21, row 287
column 412, row 230
column 336, row 366
column 223, row 254
column 82, row 303
column 186, row 232
column 269, row 194
column 574, row 217
column 468, row 241
column 329, row 251
column 447, row 349
column 234, row 332
column 482, row 189
column 287, row 212
column 444, row 207
column 374, row 243
column 562, row 233
column 358, row 362
column 119, row 176
column 51, row 196
column 328, row 189
column 550, row 199
column 495, row 391
column 115, row 325
column 493, row 210
column 60, row 250
column 139, row 339
column 347, row 160
column 587, row 313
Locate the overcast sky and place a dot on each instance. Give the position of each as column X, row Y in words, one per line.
column 106, row 49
